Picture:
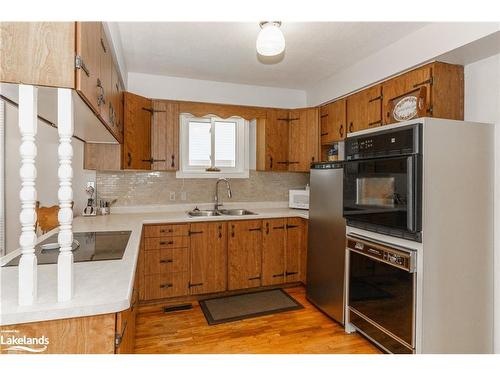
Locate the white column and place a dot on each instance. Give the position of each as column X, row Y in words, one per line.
column 27, row 291
column 65, row 279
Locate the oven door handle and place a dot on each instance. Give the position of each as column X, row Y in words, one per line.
column 410, row 201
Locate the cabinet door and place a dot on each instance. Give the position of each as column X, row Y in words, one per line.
column 273, row 251
column 104, row 80
column 136, row 132
column 165, row 136
column 116, row 104
column 304, row 139
column 244, row 254
column 272, row 141
column 87, row 44
column 333, row 122
column 294, row 249
column 364, row 109
column 414, row 83
column 208, row 247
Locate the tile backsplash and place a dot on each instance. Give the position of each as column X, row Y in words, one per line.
column 150, row 188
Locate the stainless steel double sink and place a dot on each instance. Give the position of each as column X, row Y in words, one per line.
column 229, row 212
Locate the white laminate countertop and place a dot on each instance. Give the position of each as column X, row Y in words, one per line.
column 103, row 287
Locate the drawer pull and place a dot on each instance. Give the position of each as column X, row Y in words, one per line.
column 279, row 275
column 254, row 278
column 280, row 227
column 288, row 226
column 165, row 286
column 166, row 230
column 166, row 243
column 374, row 99
column 323, row 134
column 191, row 232
column 166, row 261
column 193, row 285
column 254, row 229
column 429, row 81
column 375, row 123
column 290, row 273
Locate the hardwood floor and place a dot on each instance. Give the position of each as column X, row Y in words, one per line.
column 305, row 331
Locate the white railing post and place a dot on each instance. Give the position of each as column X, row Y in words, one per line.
column 27, row 284
column 65, row 279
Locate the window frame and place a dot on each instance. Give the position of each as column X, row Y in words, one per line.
column 241, row 169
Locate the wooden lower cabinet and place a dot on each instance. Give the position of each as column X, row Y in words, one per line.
column 210, row 257
column 208, row 249
column 283, row 251
column 244, row 254
column 273, row 251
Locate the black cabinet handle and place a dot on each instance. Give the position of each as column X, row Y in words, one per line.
column 254, row 278
column 375, row 123
column 323, row 134
column 193, row 285
column 429, row 81
column 290, row 273
column 103, row 46
column 288, row 226
column 165, row 286
column 166, row 230
column 283, row 162
column 350, row 127
column 280, row 227
column 129, row 159
column 270, row 162
column 374, row 99
column 172, row 164
column 191, row 232
column 324, row 115
column 220, row 231
column 166, row 261
column 232, row 230
column 254, row 229
column 166, row 243
column 267, row 228
column 279, row 275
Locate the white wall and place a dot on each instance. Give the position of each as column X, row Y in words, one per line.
column 47, row 183
column 482, row 104
column 417, row 48
column 164, row 87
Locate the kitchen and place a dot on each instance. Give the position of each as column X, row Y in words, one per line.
column 162, row 198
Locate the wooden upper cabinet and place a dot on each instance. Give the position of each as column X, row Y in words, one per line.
column 105, row 78
column 88, row 62
column 165, row 136
column 244, row 254
column 333, row 123
column 272, row 141
column 303, row 139
column 136, row 149
column 208, row 265
column 116, row 105
column 273, row 251
column 438, row 87
column 364, row 109
column 38, row 53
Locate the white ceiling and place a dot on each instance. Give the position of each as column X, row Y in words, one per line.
column 223, row 51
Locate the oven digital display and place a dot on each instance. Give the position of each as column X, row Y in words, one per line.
column 375, row 191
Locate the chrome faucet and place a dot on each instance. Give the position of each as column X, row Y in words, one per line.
column 229, row 193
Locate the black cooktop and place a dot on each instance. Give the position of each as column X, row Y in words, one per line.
column 87, row 247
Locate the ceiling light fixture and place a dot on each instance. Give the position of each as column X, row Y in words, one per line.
column 270, row 41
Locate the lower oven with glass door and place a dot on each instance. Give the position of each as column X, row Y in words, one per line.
column 383, row 182
column 382, row 293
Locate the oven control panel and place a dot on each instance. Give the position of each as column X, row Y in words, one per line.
column 401, row 258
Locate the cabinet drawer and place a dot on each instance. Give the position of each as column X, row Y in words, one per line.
column 166, row 261
column 166, row 230
column 166, row 285
column 165, row 242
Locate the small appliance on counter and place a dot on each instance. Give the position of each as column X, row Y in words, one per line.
column 90, row 209
column 299, row 198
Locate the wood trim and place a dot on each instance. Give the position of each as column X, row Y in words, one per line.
column 201, row 109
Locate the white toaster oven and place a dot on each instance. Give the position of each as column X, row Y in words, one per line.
column 298, row 199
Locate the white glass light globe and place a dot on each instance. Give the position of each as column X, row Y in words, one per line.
column 270, row 41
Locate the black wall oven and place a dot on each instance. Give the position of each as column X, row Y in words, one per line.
column 382, row 293
column 383, row 182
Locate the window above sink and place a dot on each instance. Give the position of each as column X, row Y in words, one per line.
column 212, row 147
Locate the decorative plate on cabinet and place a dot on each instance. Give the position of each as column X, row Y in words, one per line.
column 405, row 109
